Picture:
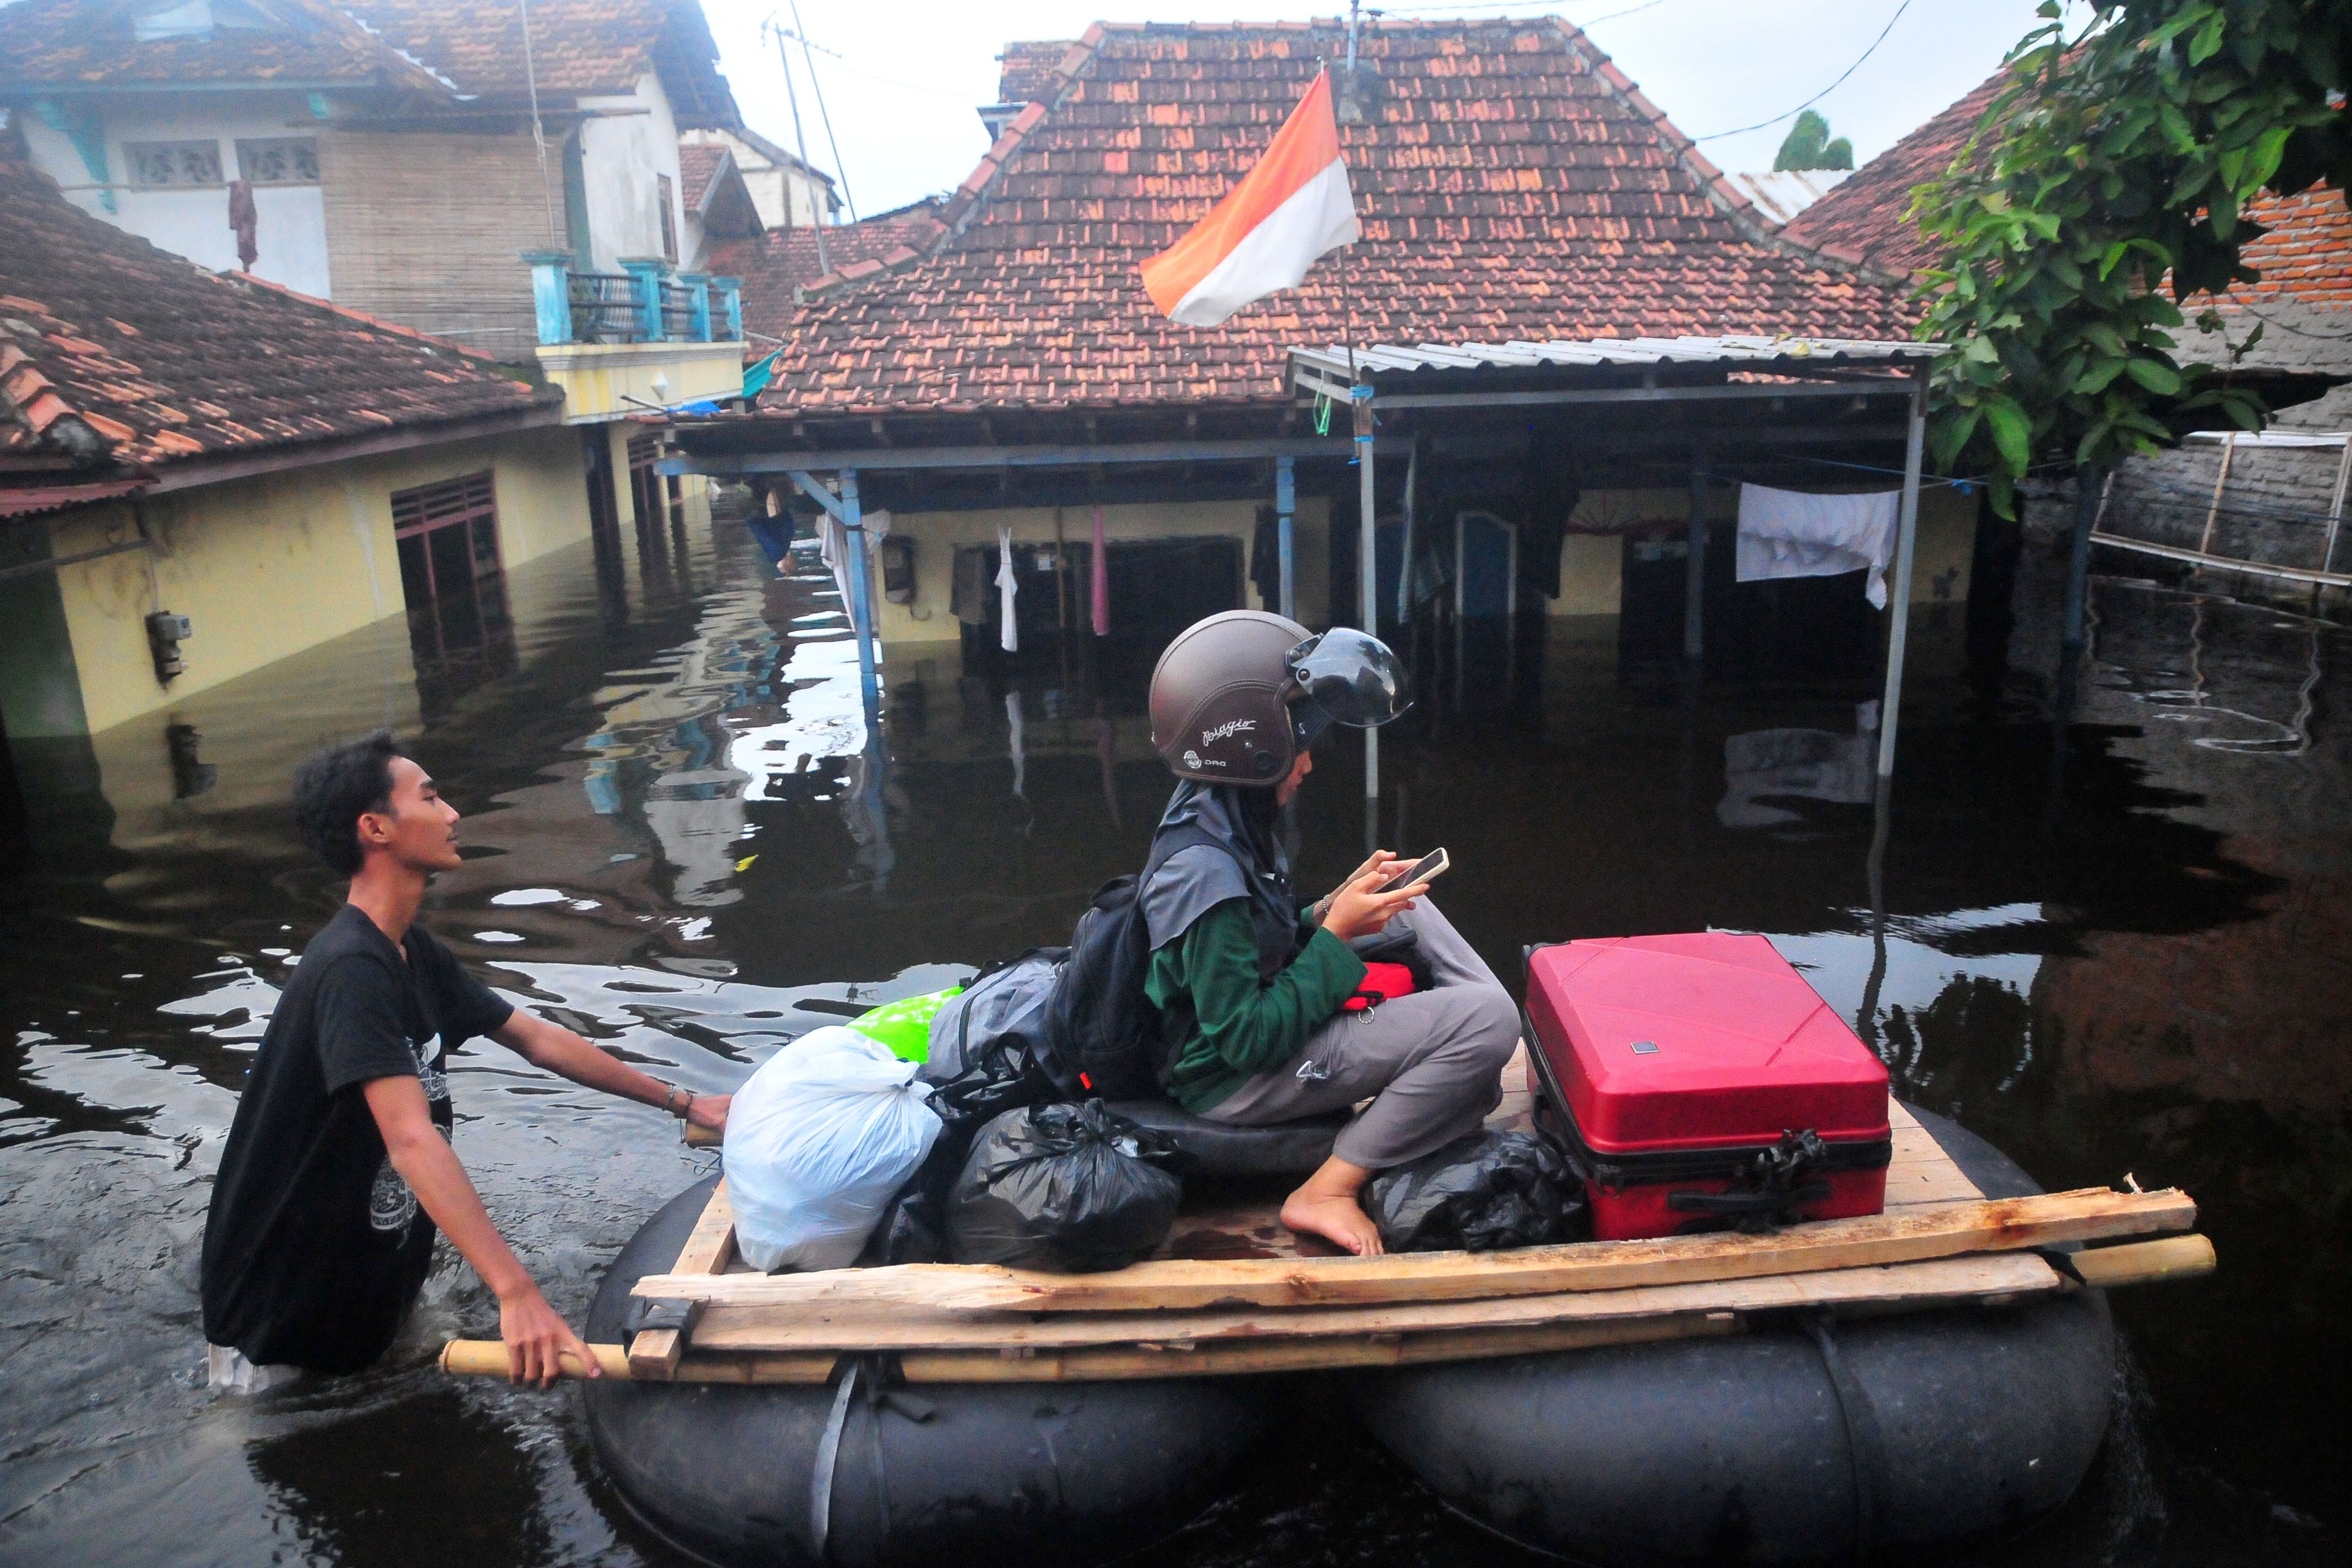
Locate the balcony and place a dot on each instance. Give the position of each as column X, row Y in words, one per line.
column 637, row 341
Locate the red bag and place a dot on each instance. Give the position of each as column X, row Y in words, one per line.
column 1381, row 983
column 1700, row 1084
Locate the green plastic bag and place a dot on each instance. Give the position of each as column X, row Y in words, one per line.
column 905, row 1026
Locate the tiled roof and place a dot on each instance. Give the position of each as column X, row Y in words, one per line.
column 112, row 349
column 1868, row 217
column 441, row 47
column 696, row 167
column 80, row 43
column 578, row 46
column 1512, row 183
column 776, row 264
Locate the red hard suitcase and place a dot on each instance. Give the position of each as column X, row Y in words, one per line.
column 1700, row 1084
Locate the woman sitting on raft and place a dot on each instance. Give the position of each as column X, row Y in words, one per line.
column 1248, row 984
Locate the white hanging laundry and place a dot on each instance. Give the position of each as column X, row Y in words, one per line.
column 1788, row 533
column 1009, row 639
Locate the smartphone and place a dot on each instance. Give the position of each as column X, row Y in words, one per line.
column 1427, row 868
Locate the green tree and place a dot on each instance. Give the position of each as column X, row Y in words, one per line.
column 1808, row 146
column 2111, row 170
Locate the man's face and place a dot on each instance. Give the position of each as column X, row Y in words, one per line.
column 1289, row 787
column 420, row 831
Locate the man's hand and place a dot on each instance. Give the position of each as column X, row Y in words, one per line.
column 709, row 1110
column 1363, row 909
column 538, row 1339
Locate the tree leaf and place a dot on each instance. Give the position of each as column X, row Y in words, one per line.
column 2154, row 374
column 2012, row 432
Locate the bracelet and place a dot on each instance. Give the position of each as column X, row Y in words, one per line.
column 670, row 1100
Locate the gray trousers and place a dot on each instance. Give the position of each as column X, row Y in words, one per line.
column 1431, row 1063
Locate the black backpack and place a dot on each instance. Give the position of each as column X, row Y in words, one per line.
column 1101, row 1036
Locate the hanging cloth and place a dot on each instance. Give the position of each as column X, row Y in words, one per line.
column 1008, row 637
column 1016, row 739
column 1788, row 533
column 1101, row 580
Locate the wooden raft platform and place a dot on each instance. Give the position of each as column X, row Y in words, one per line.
column 1232, row 1292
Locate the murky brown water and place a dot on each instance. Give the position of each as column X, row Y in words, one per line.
column 2116, row 946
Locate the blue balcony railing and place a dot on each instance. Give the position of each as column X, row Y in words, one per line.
column 645, row 302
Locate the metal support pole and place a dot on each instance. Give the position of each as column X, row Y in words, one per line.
column 1369, row 572
column 2088, row 484
column 1907, row 540
column 1286, row 505
column 1404, row 551
column 2335, row 512
column 1694, row 569
column 861, row 606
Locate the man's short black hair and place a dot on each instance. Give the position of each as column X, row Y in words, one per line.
column 333, row 786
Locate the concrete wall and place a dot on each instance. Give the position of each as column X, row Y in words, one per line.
column 268, row 566
column 623, row 157
column 785, row 198
column 193, row 221
column 939, row 534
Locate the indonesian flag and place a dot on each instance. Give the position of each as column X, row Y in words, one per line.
column 1291, row 209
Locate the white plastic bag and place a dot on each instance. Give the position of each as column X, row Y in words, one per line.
column 818, row 1140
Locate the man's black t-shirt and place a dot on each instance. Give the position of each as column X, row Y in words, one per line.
column 314, row 1248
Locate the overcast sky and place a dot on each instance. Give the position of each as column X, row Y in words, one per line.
column 907, row 75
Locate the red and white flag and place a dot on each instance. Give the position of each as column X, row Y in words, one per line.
column 1294, row 207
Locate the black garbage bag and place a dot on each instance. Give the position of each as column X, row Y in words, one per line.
column 1000, row 1077
column 1488, row 1190
column 1072, row 1189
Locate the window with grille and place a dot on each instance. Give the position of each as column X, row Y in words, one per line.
column 279, row 161
column 162, row 165
column 666, row 200
column 447, row 534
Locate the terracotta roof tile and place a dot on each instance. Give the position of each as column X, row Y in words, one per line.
column 1511, row 183
column 163, row 360
column 774, row 265
column 439, row 47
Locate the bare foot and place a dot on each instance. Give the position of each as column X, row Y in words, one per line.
column 1335, row 1216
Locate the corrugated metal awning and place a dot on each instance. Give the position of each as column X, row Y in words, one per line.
column 1336, row 362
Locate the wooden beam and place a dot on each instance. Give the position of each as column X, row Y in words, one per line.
column 655, row 1353
column 1911, row 1234
column 867, row 1326
column 899, row 459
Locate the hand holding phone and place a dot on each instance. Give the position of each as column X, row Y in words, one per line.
column 1427, row 868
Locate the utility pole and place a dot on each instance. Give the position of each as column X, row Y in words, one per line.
column 784, row 58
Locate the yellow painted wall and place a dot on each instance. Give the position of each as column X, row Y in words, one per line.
column 938, row 535
column 268, row 566
column 1591, row 566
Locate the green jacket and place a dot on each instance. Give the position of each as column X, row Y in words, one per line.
column 1226, row 1026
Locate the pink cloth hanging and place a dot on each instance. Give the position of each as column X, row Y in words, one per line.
column 1101, row 581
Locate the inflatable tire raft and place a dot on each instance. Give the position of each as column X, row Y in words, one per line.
column 858, row 1474
column 1806, row 1443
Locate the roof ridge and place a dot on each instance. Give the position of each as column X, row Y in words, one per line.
column 964, row 203
column 1734, row 203
column 32, row 396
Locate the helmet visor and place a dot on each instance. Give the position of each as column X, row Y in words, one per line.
column 1350, row 677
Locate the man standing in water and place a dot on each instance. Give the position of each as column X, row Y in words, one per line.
column 338, row 1171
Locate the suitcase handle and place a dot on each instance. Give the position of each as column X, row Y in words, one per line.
column 1768, row 1204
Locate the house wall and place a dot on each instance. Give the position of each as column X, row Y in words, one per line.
column 193, row 221
column 428, row 229
column 623, row 155
column 786, row 198
column 939, row 534
column 268, row 566
column 1592, row 564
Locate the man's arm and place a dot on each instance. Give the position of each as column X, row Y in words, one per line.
column 536, row 1336
column 565, row 1054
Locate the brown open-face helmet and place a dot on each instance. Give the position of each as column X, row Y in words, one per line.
column 1237, row 697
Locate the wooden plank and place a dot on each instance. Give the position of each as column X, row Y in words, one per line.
column 1901, row 1236
column 869, row 1327
column 655, row 1353
column 2146, row 1262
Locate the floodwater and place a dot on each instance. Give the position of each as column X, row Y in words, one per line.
column 2113, row 944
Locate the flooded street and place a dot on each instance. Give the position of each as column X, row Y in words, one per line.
column 2115, row 945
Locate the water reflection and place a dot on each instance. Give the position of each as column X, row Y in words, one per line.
column 686, row 841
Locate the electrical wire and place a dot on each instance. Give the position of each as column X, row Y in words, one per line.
column 537, row 126
column 1741, row 131
column 839, row 168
